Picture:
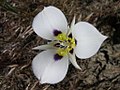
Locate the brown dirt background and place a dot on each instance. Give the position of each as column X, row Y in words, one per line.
column 100, row 72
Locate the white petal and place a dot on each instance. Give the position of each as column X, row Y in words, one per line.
column 72, row 59
column 88, row 39
column 47, row 70
column 49, row 19
column 43, row 47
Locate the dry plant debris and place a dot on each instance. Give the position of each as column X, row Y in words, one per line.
column 101, row 72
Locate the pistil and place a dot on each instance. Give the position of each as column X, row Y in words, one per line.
column 64, row 44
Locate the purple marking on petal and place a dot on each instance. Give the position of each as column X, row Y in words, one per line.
column 56, row 32
column 57, row 57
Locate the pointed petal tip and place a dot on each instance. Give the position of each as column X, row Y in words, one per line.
column 79, row 68
column 43, row 47
column 35, row 48
column 73, row 61
column 89, row 40
column 73, row 21
column 42, row 82
column 105, row 37
column 45, row 82
column 45, row 7
column 74, row 18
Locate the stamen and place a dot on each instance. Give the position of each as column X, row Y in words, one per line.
column 57, row 45
column 64, row 44
column 60, row 45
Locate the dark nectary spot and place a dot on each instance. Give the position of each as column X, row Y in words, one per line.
column 71, row 51
column 70, row 35
column 75, row 42
column 57, row 57
column 56, row 32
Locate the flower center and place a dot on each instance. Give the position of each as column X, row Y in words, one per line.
column 64, row 44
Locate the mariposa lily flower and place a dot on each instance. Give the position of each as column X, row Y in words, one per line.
column 81, row 39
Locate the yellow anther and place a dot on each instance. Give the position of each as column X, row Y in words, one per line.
column 61, row 37
column 62, row 52
column 67, row 42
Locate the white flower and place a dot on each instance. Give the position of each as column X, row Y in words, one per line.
column 81, row 39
